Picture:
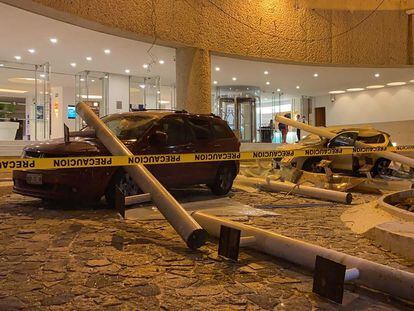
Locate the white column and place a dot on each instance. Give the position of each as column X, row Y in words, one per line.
column 118, row 93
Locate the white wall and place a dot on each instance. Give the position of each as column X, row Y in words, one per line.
column 118, row 91
column 372, row 106
column 388, row 109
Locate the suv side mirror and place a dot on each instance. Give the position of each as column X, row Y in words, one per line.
column 158, row 138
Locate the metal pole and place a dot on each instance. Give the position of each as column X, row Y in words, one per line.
column 373, row 275
column 325, row 133
column 189, row 230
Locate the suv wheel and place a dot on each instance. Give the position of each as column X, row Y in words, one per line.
column 224, row 180
column 125, row 183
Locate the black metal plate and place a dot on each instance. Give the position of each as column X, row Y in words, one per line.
column 120, row 202
column 328, row 279
column 229, row 243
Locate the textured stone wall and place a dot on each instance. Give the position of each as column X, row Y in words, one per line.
column 284, row 29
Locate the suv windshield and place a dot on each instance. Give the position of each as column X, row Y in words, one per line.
column 127, row 127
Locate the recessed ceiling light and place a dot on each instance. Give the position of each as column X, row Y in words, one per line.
column 355, row 89
column 158, row 92
column 234, row 78
column 411, row 81
column 376, row 75
column 266, row 72
column 82, row 79
column 377, row 86
column 316, row 75
column 93, row 80
column 217, row 68
column 145, row 66
column 297, row 87
column 337, row 92
column 161, row 62
column 88, row 58
column 17, row 57
column 12, row 91
column 267, row 83
column 107, row 51
column 1, row 65
column 278, row 90
column 127, row 71
column 396, row 83
column 214, row 82
column 42, row 75
column 53, row 40
column 142, row 86
column 31, row 51
column 73, row 65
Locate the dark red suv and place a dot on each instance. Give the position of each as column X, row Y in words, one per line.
column 143, row 132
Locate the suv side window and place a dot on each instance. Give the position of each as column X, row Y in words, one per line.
column 176, row 130
column 222, row 130
column 377, row 139
column 201, row 128
column 346, row 139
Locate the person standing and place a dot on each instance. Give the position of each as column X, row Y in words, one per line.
column 299, row 119
column 283, row 128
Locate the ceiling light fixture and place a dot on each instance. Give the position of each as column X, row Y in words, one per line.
column 93, row 80
column 411, row 81
column 267, row 83
column 214, row 82
column 355, row 89
column 1, row 65
column 31, row 51
column 53, row 40
column 266, row 72
column 377, row 75
column 396, row 83
column 142, row 86
column 278, row 90
column 88, row 58
column 337, row 92
column 217, row 68
column 234, row 78
column 377, row 86
column 145, row 66
column 127, row 71
column 73, row 65
column 91, row 96
column 42, row 75
column 107, row 51
column 161, row 62
column 12, row 91
column 316, row 75
column 17, row 57
column 82, row 79
column 297, row 87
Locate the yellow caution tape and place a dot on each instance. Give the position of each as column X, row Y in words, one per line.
column 10, row 164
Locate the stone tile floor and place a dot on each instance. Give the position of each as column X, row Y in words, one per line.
column 87, row 258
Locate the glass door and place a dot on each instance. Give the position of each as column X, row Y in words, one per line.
column 42, row 102
column 246, row 119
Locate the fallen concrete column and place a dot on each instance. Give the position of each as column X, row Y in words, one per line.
column 182, row 222
column 370, row 274
column 329, row 195
column 323, row 132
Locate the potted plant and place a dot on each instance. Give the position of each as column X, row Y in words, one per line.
column 8, row 128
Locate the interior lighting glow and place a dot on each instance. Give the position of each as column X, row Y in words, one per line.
column 127, row 71
column 234, row 78
column 12, row 91
column 215, row 82
column 1, row 65
column 377, row 86
column 142, row 86
column 88, row 58
column 316, row 75
column 161, row 62
column 73, row 65
column 91, row 96
column 266, row 72
column 355, row 89
column 53, row 40
column 396, row 83
column 31, row 51
column 297, row 87
column 145, row 66
column 377, row 75
column 107, row 51
column 17, row 57
column 278, row 90
column 217, row 68
column 267, row 83
column 337, row 92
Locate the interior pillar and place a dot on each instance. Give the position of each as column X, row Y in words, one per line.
column 410, row 39
column 193, row 80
